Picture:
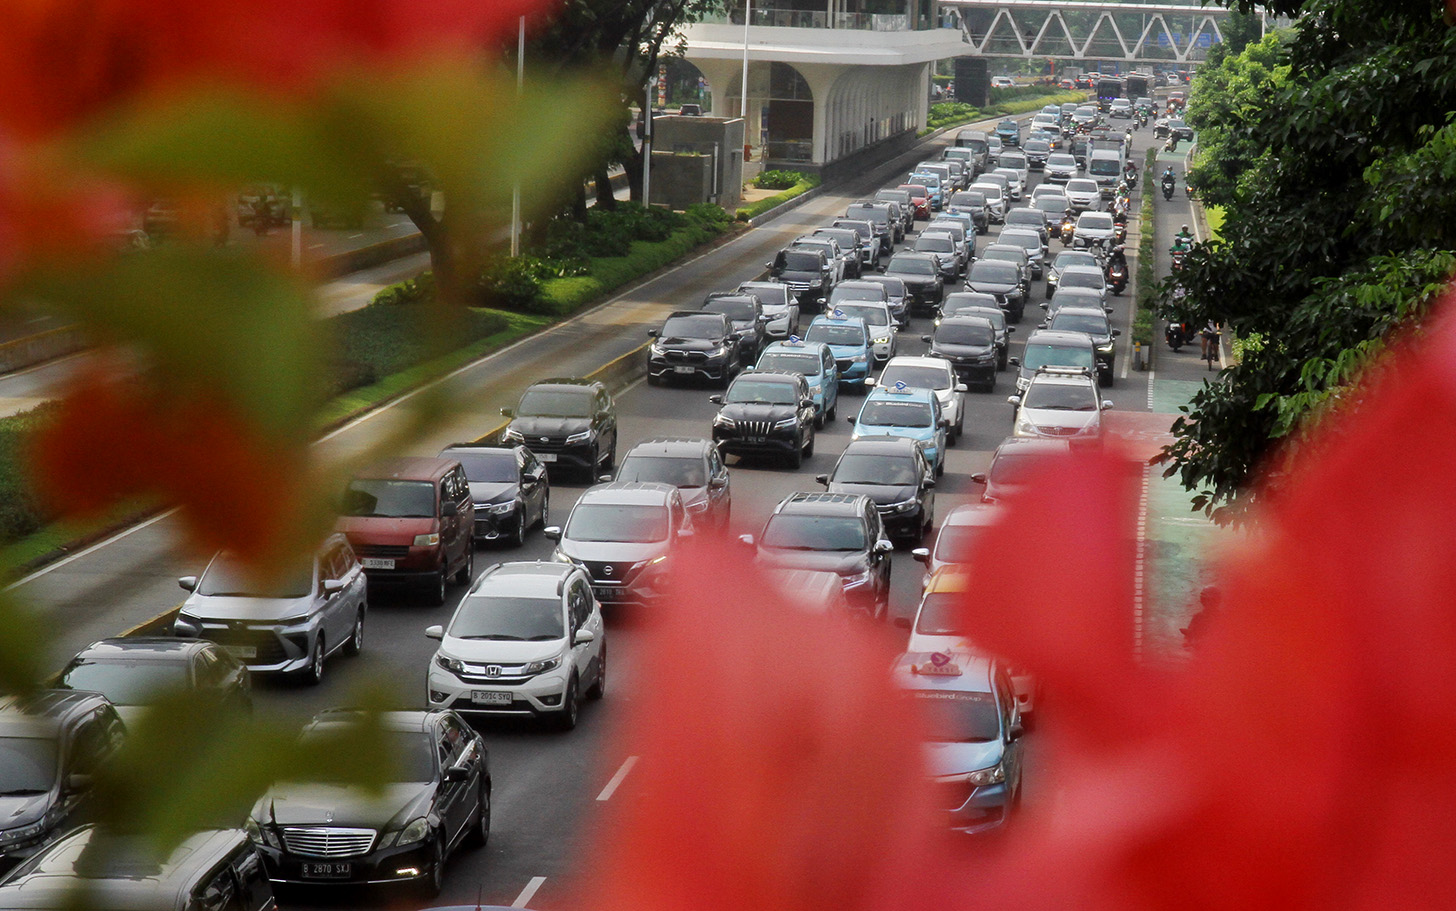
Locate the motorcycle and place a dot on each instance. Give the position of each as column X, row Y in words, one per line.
column 1130, row 176
column 1119, row 233
column 1177, row 334
column 1069, row 228
column 1117, row 277
column 1170, row 184
column 1178, row 257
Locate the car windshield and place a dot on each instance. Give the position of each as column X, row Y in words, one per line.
column 894, row 287
column 965, row 334
column 1056, row 205
column 1025, row 218
column 854, row 293
column 1081, row 186
column 1096, row 221
column 387, row 498
column 1001, row 253
column 27, row 765
column 798, row 261
column 1013, row 161
column 778, row 362
column 940, row 614
column 488, row 467
column 1029, row 241
column 956, row 543
column 967, row 198
column 679, row 472
column 556, row 403
column 1062, row 161
column 990, row 191
column 1056, row 356
column 509, row 619
column 955, row 717
column 764, row 392
column 698, row 327
column 875, row 469
column 1038, row 145
column 736, row 309
column 935, row 244
column 1078, row 278
column 889, row 413
column 795, row 532
column 226, row 578
column 410, row 755
column 994, row 272
column 125, row 682
column 835, row 334
column 1060, row 397
column 1104, row 167
column 1073, row 258
column 616, row 523
column 986, row 311
column 877, row 315
column 905, row 266
column 919, row 377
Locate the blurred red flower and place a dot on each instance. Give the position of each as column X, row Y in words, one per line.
column 62, row 61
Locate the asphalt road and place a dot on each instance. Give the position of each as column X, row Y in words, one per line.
column 550, row 786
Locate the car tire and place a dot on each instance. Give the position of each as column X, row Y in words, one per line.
column 570, row 712
column 940, row 466
column 435, row 593
column 599, row 686
column 479, row 835
column 796, row 457
column 611, row 462
column 466, row 573
column 355, row 645
column 833, row 412
column 593, row 464
column 653, row 380
column 518, row 537
column 313, row 675
column 809, row 449
column 431, row 886
column 819, row 420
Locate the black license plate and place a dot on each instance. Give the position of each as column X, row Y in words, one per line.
column 327, row 871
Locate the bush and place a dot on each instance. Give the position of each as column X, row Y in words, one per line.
column 379, row 340
column 509, row 283
column 752, row 210
column 777, row 180
column 708, row 215
column 20, row 514
column 417, row 290
column 949, row 112
column 1145, row 314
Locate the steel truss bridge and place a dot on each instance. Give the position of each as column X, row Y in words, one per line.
column 1083, row 30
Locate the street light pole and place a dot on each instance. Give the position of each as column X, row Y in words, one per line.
column 647, row 141
column 516, row 189
column 743, row 98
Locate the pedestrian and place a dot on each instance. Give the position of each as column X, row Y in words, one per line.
column 1195, row 634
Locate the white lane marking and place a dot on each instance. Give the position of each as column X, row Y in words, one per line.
column 43, row 365
column 1152, row 376
column 617, row 779
column 529, row 892
column 1140, row 567
column 92, row 549
column 355, row 236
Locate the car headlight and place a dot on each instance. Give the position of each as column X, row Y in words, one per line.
column 646, row 564
column 816, row 389
column 901, row 507
column 414, row 833
column 499, row 509
column 857, row 359
column 657, row 350
column 579, row 437
column 722, row 420
column 1105, row 349
column 453, row 665
column 859, row 578
column 883, row 341
column 429, row 540
column 786, row 424
column 21, row 833
column 544, row 665
column 982, row 777
column 719, row 351
column 1025, row 428
column 558, row 557
column 513, row 435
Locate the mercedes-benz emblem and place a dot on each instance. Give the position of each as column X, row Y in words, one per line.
column 328, row 816
column 606, row 570
column 492, row 670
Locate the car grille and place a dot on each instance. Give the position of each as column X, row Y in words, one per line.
column 1059, row 431
column 322, row 841
column 608, row 573
column 755, row 428
column 685, row 357
column 382, row 550
column 545, row 444
column 950, row 795
column 269, row 647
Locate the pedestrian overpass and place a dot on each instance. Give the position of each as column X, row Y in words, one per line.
column 1082, row 30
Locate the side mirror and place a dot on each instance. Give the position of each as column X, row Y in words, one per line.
column 1106, row 404
column 1116, row 333
column 962, row 387
column 552, row 532
column 806, row 403
column 1108, row 311
column 929, row 484
column 583, row 637
column 1017, row 729
column 508, row 412
column 883, row 546
column 1013, row 400
column 944, row 422
column 686, row 532
column 434, row 632
column 716, row 399
column 902, row 622
column 1014, row 361
column 189, row 583
column 746, row 539
column 822, row 479
column 979, row 477
column 652, row 333
column 718, row 483
column 870, row 382
column 921, row 555
column 1010, row 329
column 78, row 781
column 332, row 587
column 605, row 478
column 768, row 265
column 849, row 418
column 1044, row 305
column 927, row 338
column 456, row 774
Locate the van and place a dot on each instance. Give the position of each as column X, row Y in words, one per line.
column 1053, row 348
column 979, row 144
column 412, row 523
column 1105, row 166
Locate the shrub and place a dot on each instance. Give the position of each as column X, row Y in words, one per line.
column 379, row 340
column 752, row 210
column 417, row 290
column 708, row 215
column 509, row 283
column 20, row 514
column 777, row 180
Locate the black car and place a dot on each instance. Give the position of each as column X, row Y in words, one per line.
column 1094, row 322
column 694, row 344
column 566, row 422
column 969, row 343
column 1003, row 281
column 974, row 303
column 972, row 203
column 766, row 414
column 943, row 247
column 51, row 744
column 510, row 487
column 694, row 466
column 893, row 472
column 808, row 273
column 132, row 672
column 831, row 532
column 326, row 832
column 745, row 313
column 850, row 241
column 921, row 274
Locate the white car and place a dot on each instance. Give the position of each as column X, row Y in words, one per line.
column 780, row 307
column 1015, row 180
column 1060, row 168
column 1093, row 229
column 884, row 330
column 1083, row 193
column 995, row 198
column 1006, row 82
column 932, row 373
column 527, row 639
column 1060, row 402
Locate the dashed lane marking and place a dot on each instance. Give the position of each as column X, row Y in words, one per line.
column 617, row 779
column 529, row 892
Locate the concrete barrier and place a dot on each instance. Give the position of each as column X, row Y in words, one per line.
column 34, row 349
column 367, row 257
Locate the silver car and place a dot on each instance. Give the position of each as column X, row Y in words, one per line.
column 1083, row 193
column 780, row 307
column 937, row 375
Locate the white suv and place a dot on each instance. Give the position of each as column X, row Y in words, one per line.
column 527, row 639
column 1060, row 402
column 935, row 374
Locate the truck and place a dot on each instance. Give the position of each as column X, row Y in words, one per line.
column 1108, row 88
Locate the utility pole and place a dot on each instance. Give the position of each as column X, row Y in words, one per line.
column 647, row 141
column 516, row 189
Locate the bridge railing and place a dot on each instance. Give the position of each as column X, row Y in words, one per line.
column 797, row 18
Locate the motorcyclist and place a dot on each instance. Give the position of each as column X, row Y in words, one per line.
column 1118, row 257
column 1183, row 240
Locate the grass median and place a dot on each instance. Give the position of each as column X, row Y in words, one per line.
column 755, row 209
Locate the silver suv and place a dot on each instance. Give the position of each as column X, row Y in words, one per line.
column 1061, row 403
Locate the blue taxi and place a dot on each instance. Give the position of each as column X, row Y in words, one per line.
column 931, row 182
column 850, row 340
column 905, row 411
column 973, row 735
column 816, row 362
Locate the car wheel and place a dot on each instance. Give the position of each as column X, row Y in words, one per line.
column 570, row 707
column 467, row 572
column 518, row 537
column 593, row 464
column 435, row 594
column 809, row 449
column 833, row 413
column 819, row 421
column 355, row 645
column 599, row 687
column 653, row 380
column 480, row 829
column 940, row 466
column 1003, row 360
column 313, row 675
column 431, row 885
column 796, row 457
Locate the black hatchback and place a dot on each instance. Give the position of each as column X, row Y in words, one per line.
column 894, row 473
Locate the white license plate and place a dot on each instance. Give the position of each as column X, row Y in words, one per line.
column 609, row 591
column 486, row 697
column 377, row 563
column 683, row 370
column 241, row 651
column 546, row 456
column 328, row 871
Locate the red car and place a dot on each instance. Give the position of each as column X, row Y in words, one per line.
column 919, row 198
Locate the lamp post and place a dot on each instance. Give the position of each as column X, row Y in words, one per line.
column 516, row 188
column 743, row 98
column 647, row 141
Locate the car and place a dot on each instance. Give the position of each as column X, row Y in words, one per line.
column 850, row 340
column 1090, row 298
column 509, row 486
column 1065, row 259
column 994, row 148
column 571, row 423
column 995, row 196
column 1059, row 402
column 1082, row 193
column 1095, row 324
column 969, row 344
column 1105, row 166
column 624, row 533
column 745, row 315
column 897, row 296
column 1060, row 167
column 1010, row 253
column 872, row 247
column 856, row 254
column 1016, row 181
column 1029, row 218
column 1053, row 208
column 1030, row 241
column 1003, row 280
column 1044, row 347
column 1121, row 109
column 920, row 199
column 780, row 307
column 696, row 344
column 842, row 263
column 944, row 248
column 971, row 202
column 1037, row 153
column 889, row 228
column 815, row 362
column 973, row 143
column 694, row 466
column 934, row 186
column 315, row 832
column 973, row 731
column 808, row 273
column 1085, row 117
column 962, row 228
column 52, row 743
column 973, row 303
column 896, row 476
column 313, row 609
column 1178, row 129
column 956, row 541
column 1083, row 277
column 901, row 214
column 884, row 329
column 1009, row 132
column 839, row 533
column 1093, row 229
column 937, row 375
column 133, row 672
column 905, row 411
column 208, row 870
column 1012, row 466
column 528, row 639
column 770, row 414
column 922, row 275
column 1002, row 82
column 859, row 290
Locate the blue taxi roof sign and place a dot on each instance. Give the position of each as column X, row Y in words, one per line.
column 794, row 340
column 837, row 314
column 900, row 387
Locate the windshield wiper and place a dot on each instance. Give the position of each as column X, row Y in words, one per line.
column 544, row 637
column 22, row 792
column 500, row 636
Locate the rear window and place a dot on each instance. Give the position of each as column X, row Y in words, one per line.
column 733, row 309
column 1080, row 322
column 389, row 499
column 994, row 271
column 836, row 334
column 964, row 334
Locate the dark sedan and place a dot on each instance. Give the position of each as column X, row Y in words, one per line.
column 509, row 485
column 894, row 474
column 969, row 343
column 134, row 672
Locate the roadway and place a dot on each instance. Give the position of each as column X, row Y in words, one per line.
column 549, row 785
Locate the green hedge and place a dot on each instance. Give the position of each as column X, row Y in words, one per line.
column 562, row 296
column 385, row 338
column 753, row 210
column 19, row 513
column 953, row 113
column 777, row 180
column 1041, row 101
column 1145, row 314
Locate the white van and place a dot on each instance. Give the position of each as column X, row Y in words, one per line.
column 1105, row 166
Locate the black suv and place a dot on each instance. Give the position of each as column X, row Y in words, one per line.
column 566, row 422
column 52, row 744
column 893, row 472
column 510, row 487
column 766, row 413
column 831, row 532
column 745, row 313
column 1003, row 281
column 921, row 274
column 694, row 344
column 693, row 466
column 808, row 273
column 135, row 671
column 318, row 832
column 969, row 343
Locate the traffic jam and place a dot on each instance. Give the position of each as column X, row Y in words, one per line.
column 987, row 274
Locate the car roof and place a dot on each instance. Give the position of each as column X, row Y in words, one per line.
column 915, row 360
column 408, row 468
column 828, row 319
column 704, row 313
column 773, row 376
column 629, row 493
column 967, row 319
column 41, row 714
column 403, row 720
column 1063, row 376
column 1083, row 311
column 949, row 579
column 1076, row 268
column 901, row 446
column 973, row 515
column 859, row 283
column 143, row 647
column 523, row 579
column 975, row 675
column 821, row 504
column 1033, row 445
column 909, row 392
column 1058, row 337
column 672, row 447
column 799, row 347
column 572, row 382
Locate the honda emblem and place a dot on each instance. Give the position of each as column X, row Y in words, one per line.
column 492, row 670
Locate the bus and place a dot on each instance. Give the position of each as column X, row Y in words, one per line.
column 1108, row 88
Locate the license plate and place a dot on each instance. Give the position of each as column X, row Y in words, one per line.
column 683, row 370
column 753, row 440
column 241, row 651
column 486, row 697
column 608, row 591
column 328, row 871
column 546, row 456
column 377, row 563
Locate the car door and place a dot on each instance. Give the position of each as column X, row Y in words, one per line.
column 718, row 491
column 831, row 379
column 533, row 486
column 585, row 657
column 1010, row 718
column 219, row 674
column 452, row 798
column 875, row 531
